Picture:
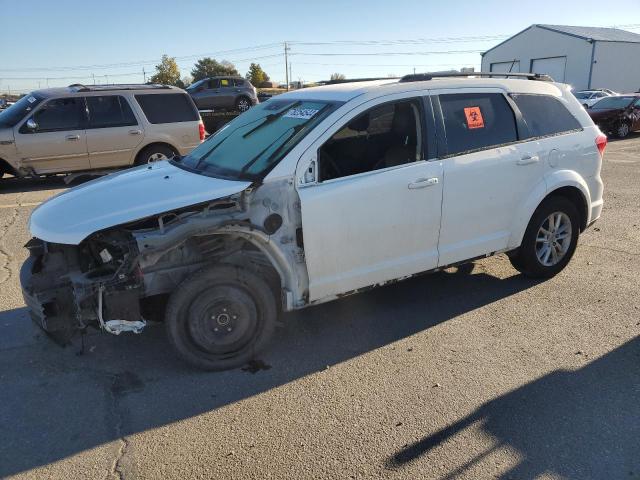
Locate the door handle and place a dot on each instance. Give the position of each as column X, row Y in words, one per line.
column 72, row 138
column 135, row 132
column 527, row 159
column 423, row 182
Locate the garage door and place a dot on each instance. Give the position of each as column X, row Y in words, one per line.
column 554, row 67
column 512, row 66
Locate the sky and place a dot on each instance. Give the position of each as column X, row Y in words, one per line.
column 56, row 43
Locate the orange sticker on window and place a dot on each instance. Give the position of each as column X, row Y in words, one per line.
column 474, row 117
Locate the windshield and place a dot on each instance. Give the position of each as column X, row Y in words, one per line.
column 17, row 111
column 582, row 95
column 251, row 145
column 193, row 86
column 613, row 102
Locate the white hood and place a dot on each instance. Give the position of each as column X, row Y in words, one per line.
column 123, row 197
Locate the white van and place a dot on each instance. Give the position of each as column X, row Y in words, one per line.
column 317, row 194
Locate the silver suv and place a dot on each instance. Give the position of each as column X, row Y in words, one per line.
column 223, row 93
column 76, row 128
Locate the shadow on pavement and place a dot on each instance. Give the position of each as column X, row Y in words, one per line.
column 53, row 182
column 582, row 424
column 55, row 403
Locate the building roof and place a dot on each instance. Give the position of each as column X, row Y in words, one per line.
column 598, row 34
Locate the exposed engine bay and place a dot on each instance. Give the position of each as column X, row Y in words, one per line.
column 103, row 281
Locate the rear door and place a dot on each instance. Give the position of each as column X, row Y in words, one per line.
column 227, row 93
column 486, row 173
column 58, row 143
column 113, row 132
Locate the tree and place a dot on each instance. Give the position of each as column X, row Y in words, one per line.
column 208, row 67
column 256, row 75
column 167, row 72
column 337, row 76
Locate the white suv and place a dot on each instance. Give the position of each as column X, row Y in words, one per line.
column 79, row 128
column 317, row 194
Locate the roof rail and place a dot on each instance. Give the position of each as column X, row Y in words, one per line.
column 419, row 77
column 350, row 80
column 115, row 86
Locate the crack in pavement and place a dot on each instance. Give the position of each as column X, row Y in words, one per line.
column 5, row 257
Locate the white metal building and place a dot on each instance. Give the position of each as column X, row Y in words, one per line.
column 584, row 57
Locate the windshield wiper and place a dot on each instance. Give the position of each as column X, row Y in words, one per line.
column 271, row 118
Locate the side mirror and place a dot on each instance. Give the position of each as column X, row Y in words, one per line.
column 31, row 124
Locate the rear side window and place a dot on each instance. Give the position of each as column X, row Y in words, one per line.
column 109, row 111
column 545, row 115
column 238, row 82
column 225, row 82
column 168, row 107
column 475, row 121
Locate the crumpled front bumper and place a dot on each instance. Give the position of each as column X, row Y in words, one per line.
column 51, row 305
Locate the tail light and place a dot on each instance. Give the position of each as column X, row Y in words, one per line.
column 202, row 132
column 601, row 143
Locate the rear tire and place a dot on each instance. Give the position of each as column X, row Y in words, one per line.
column 243, row 104
column 221, row 317
column 154, row 153
column 550, row 239
column 623, row 130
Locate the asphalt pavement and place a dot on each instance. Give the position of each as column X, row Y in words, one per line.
column 472, row 373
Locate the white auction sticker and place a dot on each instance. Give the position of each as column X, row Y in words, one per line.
column 302, row 113
column 31, row 99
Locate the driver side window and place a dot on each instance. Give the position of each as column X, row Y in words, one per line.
column 385, row 136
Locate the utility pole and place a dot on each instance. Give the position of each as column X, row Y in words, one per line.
column 107, row 77
column 94, row 78
column 286, row 64
column 290, row 74
column 144, row 75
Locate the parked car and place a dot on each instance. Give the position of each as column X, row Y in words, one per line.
column 76, row 128
column 223, row 93
column 314, row 195
column 3, row 103
column 589, row 97
column 619, row 115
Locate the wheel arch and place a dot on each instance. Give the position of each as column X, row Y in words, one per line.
column 565, row 183
column 5, row 167
column 151, row 144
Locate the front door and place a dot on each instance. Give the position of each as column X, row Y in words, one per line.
column 57, row 141
column 373, row 213
column 113, row 133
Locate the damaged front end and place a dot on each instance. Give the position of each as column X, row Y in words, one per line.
column 106, row 280
column 68, row 288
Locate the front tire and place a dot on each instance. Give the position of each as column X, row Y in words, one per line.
column 221, row 317
column 550, row 239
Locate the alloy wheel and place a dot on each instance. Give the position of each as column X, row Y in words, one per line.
column 553, row 239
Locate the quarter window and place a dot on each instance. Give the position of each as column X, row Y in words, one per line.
column 475, row 121
column 385, row 136
column 168, row 107
column 60, row 114
column 109, row 111
column 545, row 115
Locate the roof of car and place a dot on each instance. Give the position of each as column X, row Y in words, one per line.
column 344, row 92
